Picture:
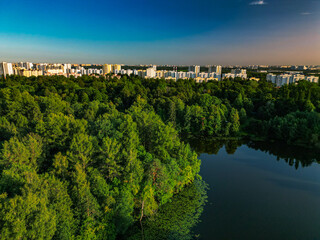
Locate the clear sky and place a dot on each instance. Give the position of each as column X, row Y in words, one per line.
column 161, row 31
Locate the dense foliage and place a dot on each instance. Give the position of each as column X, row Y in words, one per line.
column 87, row 158
column 82, row 169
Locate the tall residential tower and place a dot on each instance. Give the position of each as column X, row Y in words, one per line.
column 215, row 69
column 6, row 69
column 195, row 69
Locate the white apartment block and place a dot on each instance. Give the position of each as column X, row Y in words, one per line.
column 215, row 75
column 56, row 71
column 181, row 75
column 160, row 74
column 41, row 66
column 233, row 75
column 28, row 65
column 312, row 79
column 283, row 79
column 82, row 71
column 6, row 69
column 66, row 68
column 191, row 75
column 203, row 75
column 239, row 71
column 150, row 73
column 170, row 74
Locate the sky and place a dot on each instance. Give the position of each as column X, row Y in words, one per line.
column 174, row 32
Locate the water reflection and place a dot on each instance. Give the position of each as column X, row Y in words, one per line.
column 259, row 190
column 293, row 155
column 174, row 220
column 249, row 195
column 213, row 146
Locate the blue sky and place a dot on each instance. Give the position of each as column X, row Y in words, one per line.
column 161, row 32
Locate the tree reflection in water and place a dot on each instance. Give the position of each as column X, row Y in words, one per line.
column 176, row 219
column 293, row 155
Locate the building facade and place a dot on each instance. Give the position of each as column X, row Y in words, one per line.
column 194, row 68
column 6, row 69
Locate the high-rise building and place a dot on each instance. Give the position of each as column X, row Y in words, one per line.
column 41, row 66
column 271, row 77
column 218, row 70
column 28, row 73
column 142, row 73
column 195, row 69
column 107, row 68
column 215, row 69
column 66, row 68
column 116, row 67
column 6, row 69
column 239, row 71
column 28, row 65
column 150, row 73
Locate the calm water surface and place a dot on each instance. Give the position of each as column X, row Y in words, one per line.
column 260, row 191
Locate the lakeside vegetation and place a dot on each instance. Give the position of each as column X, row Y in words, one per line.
column 92, row 158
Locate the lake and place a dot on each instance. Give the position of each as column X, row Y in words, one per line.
column 259, row 191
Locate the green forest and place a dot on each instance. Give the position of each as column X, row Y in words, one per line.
column 108, row 158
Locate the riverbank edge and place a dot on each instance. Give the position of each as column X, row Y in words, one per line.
column 249, row 137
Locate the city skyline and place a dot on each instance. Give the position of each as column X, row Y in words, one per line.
column 211, row 73
column 236, row 32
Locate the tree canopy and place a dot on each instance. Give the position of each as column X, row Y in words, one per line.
column 88, row 157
